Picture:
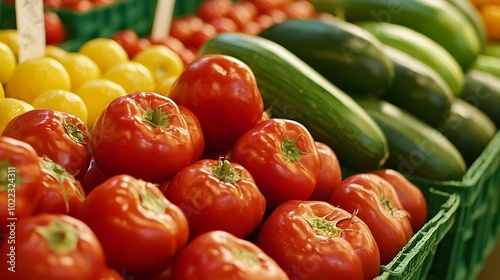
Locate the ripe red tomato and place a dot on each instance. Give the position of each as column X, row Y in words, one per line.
column 224, row 24
column 52, row 246
column 130, row 42
column 60, row 136
column 175, row 44
column 376, row 202
column 410, row 195
column 93, row 177
column 219, row 255
column 212, row 9
column 183, row 27
column 20, row 182
column 143, row 135
column 200, row 36
column 54, row 28
column 196, row 132
column 282, row 158
column 133, row 218
column 316, row 240
column 217, row 195
column 331, row 174
column 61, row 192
column 222, row 92
column 241, row 14
column 300, row 9
column 265, row 6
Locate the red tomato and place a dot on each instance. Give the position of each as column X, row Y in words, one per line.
column 282, row 158
column 212, row 9
column 277, row 15
column 20, row 183
column 224, row 24
column 80, row 6
column 187, row 56
column 46, row 3
column 265, row 6
column 410, row 195
column 130, row 42
column 143, row 135
column 61, row 193
column 217, row 195
column 54, row 28
column 376, row 202
column 241, row 14
column 222, row 92
column 331, row 174
column 300, row 9
column 183, row 27
column 196, row 132
column 219, row 255
column 175, row 44
column 200, row 36
column 316, row 240
column 52, row 246
column 265, row 21
column 110, row 274
column 132, row 218
column 60, row 136
column 92, row 178
column 252, row 28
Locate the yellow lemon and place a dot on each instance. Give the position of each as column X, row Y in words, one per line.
column 80, row 68
column 132, row 76
column 55, row 52
column 7, row 61
column 97, row 94
column 10, row 108
column 11, row 39
column 62, row 101
column 165, row 85
column 35, row 76
column 105, row 52
column 161, row 60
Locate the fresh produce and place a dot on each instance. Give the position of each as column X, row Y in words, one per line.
column 376, row 202
column 444, row 23
column 296, row 91
column 60, row 136
column 301, row 235
column 54, row 28
column 412, row 94
column 415, row 148
column 216, row 194
column 420, row 47
column 330, row 175
column 348, row 56
column 482, row 90
column 490, row 14
column 469, row 129
column 487, row 63
column 470, row 12
column 119, row 134
column 157, row 227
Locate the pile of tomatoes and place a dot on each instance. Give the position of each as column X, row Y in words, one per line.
column 202, row 184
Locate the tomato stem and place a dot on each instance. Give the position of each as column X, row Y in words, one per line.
column 290, row 151
column 225, row 172
column 75, row 133
column 60, row 237
column 387, row 204
column 324, row 227
column 246, row 256
column 156, row 118
column 151, row 202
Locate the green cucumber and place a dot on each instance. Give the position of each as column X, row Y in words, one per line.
column 492, row 49
column 439, row 20
column 347, row 55
column 487, row 63
column 294, row 90
column 472, row 14
column 482, row 90
column 415, row 148
column 420, row 47
column 417, row 88
column 469, row 129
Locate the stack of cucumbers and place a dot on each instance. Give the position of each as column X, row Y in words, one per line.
column 405, row 85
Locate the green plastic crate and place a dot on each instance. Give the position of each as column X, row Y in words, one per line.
column 463, row 252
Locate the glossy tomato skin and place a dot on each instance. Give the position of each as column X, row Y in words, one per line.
column 282, row 158
column 316, row 240
column 219, row 255
column 217, row 195
column 20, row 181
column 376, row 202
column 53, row 246
column 331, row 173
column 93, row 178
column 63, row 137
column 409, row 194
column 61, row 192
column 132, row 218
column 196, row 132
column 54, row 27
column 143, row 135
column 222, row 92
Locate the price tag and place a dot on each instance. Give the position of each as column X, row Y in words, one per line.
column 163, row 19
column 30, row 28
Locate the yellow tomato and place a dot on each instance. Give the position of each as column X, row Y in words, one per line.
column 63, row 101
column 8, row 63
column 490, row 13
column 165, row 85
column 80, row 68
column 162, row 61
column 132, row 76
column 105, row 52
column 11, row 39
column 10, row 108
column 54, row 52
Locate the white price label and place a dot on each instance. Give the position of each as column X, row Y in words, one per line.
column 163, row 19
column 30, row 28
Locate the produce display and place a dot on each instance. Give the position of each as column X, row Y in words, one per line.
column 257, row 139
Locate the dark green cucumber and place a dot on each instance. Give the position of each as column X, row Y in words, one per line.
column 472, row 14
column 420, row 47
column 482, row 90
column 469, row 129
column 417, row 88
column 296, row 91
column 439, row 20
column 347, row 55
column 487, row 63
column 415, row 148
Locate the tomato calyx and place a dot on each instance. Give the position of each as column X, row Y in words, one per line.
column 245, row 256
column 75, row 133
column 225, row 172
column 324, row 227
column 60, row 237
column 8, row 175
column 151, row 202
column 290, row 151
column 386, row 203
column 58, row 173
column 156, row 118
